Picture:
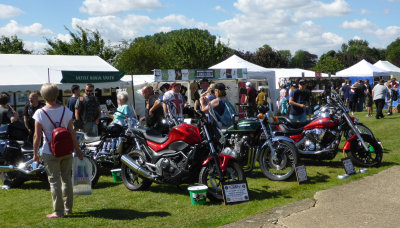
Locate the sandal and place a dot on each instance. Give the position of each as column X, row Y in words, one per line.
column 53, row 216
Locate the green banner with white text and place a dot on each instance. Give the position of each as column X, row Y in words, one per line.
column 90, row 76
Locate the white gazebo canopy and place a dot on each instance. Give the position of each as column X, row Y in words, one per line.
column 254, row 72
column 28, row 72
column 363, row 69
column 386, row 65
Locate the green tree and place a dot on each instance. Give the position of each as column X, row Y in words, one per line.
column 357, row 50
column 12, row 45
column 393, row 52
column 83, row 42
column 303, row 59
column 179, row 49
column 267, row 57
column 328, row 64
column 285, row 54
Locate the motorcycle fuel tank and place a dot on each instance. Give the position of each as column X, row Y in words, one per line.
column 184, row 132
column 245, row 125
column 321, row 123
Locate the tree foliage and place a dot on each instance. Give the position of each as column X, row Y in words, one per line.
column 267, row 57
column 83, row 42
column 393, row 52
column 303, row 59
column 179, row 49
column 357, row 50
column 328, row 64
column 12, row 45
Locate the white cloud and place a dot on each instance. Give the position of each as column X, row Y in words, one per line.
column 356, row 38
column 316, row 9
column 389, row 33
column 387, row 11
column 219, row 8
column 364, row 11
column 107, row 7
column 115, row 28
column 35, row 29
column 7, row 11
column 64, row 37
column 358, row 24
column 35, row 46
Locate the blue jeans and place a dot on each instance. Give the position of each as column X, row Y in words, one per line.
column 301, row 118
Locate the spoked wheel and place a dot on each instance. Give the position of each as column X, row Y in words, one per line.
column 363, row 130
column 279, row 167
column 365, row 158
column 95, row 171
column 132, row 180
column 209, row 176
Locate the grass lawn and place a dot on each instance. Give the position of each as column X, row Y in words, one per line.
column 112, row 205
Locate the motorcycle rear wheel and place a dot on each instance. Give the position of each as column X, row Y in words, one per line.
column 132, row 180
column 280, row 168
column 12, row 179
column 95, row 171
column 209, row 176
column 360, row 157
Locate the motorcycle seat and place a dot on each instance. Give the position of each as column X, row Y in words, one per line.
column 293, row 124
column 154, row 135
column 289, row 130
column 89, row 139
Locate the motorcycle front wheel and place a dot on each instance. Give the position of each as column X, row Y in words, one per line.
column 365, row 158
column 363, row 130
column 132, row 180
column 209, row 176
column 281, row 167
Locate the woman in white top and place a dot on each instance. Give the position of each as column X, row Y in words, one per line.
column 58, row 169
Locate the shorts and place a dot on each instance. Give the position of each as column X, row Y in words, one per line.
column 368, row 101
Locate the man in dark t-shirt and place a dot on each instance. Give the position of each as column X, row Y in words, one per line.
column 297, row 103
column 368, row 100
column 346, row 92
column 204, row 84
column 153, row 112
column 360, row 92
column 29, row 110
column 87, row 110
column 250, row 99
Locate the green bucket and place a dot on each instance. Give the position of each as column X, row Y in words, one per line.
column 116, row 174
column 198, row 194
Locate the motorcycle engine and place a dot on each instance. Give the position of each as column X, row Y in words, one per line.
column 236, row 147
column 167, row 167
column 319, row 138
column 109, row 146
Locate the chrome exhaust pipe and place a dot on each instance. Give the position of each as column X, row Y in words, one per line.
column 134, row 166
column 22, row 168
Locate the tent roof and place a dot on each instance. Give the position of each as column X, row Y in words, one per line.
column 19, row 70
column 236, row 62
column 139, row 79
column 386, row 65
column 294, row 72
column 363, row 68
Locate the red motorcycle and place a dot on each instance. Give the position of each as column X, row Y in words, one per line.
column 185, row 155
column 321, row 136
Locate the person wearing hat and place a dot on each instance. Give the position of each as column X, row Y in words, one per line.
column 250, row 100
column 379, row 92
column 297, row 102
column 353, row 97
column 217, row 107
column 175, row 99
column 204, row 84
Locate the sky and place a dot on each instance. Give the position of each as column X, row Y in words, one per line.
column 316, row 26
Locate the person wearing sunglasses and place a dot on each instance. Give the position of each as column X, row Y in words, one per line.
column 88, row 112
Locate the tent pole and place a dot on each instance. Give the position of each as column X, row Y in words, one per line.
column 48, row 74
column 133, row 92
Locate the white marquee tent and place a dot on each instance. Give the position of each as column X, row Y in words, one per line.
column 29, row 72
column 362, row 70
column 254, row 72
column 386, row 65
column 283, row 74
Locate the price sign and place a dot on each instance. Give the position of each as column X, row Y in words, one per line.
column 301, row 173
column 235, row 192
column 348, row 166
